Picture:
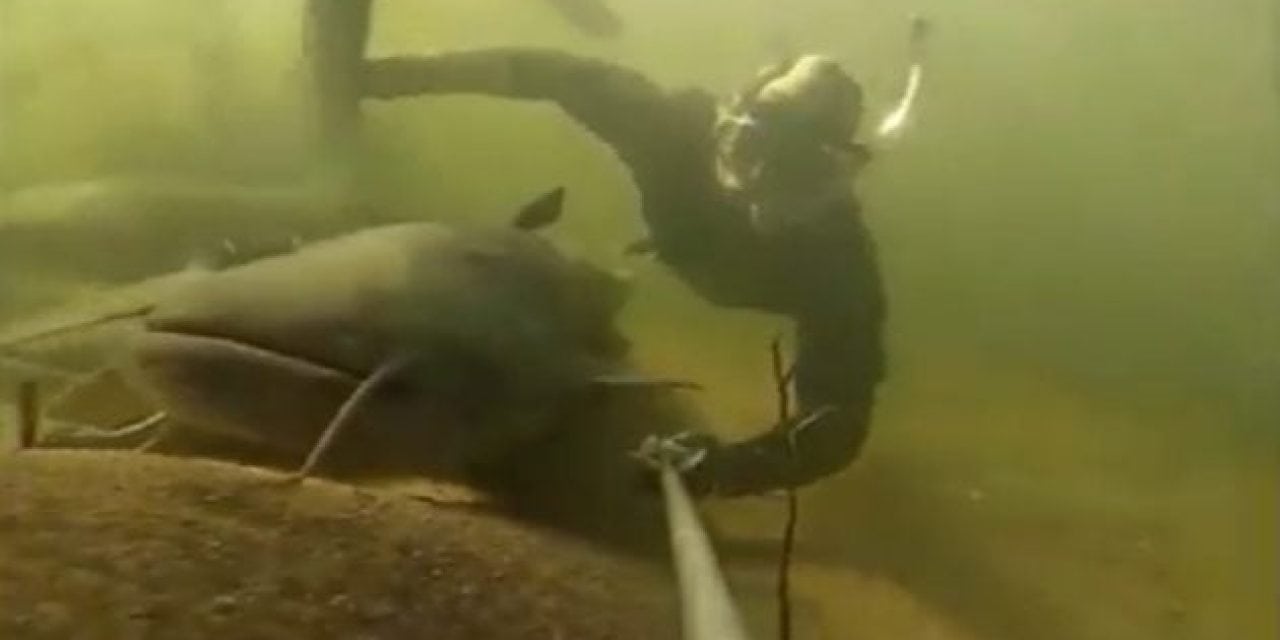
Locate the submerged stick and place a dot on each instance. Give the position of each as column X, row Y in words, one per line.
column 337, row 33
column 782, row 376
column 347, row 412
column 784, row 565
column 28, row 413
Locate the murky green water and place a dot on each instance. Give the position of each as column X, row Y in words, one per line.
column 1080, row 233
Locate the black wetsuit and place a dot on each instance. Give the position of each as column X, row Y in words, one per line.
column 823, row 274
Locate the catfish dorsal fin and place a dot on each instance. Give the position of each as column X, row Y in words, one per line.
column 541, row 212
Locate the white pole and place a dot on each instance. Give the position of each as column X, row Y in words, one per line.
column 707, row 609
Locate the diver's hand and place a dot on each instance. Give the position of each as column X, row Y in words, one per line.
column 687, row 452
column 681, row 451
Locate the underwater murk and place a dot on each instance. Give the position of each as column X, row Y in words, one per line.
column 1077, row 223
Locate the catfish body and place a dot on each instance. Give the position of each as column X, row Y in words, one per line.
column 499, row 328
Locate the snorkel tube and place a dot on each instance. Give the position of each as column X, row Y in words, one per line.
column 894, row 121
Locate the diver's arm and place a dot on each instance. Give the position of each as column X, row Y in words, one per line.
column 771, row 461
column 836, row 390
column 839, row 306
column 622, row 107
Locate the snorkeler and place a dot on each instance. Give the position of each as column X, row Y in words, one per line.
column 750, row 203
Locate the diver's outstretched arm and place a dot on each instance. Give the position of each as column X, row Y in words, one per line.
column 619, row 105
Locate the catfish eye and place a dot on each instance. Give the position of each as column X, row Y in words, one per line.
column 596, row 298
column 603, row 293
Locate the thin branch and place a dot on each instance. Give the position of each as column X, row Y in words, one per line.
column 782, row 375
column 781, row 382
column 784, row 565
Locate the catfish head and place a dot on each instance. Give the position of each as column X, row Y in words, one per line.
column 591, row 297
